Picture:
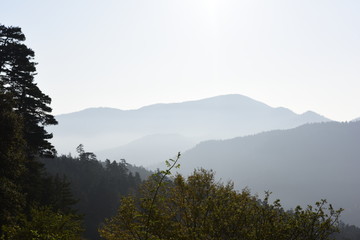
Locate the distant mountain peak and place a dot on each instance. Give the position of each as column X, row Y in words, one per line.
column 310, row 113
column 227, row 99
column 231, row 98
column 315, row 116
column 219, row 117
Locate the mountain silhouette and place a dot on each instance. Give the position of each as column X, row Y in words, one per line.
column 218, row 117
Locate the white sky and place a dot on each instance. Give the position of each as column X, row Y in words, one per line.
column 303, row 55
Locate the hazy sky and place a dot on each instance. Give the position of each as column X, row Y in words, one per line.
column 303, row 55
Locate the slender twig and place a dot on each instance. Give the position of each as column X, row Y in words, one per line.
column 165, row 173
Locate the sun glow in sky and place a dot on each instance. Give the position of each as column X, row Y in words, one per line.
column 303, row 55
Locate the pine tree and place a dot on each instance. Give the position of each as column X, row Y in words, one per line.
column 17, row 71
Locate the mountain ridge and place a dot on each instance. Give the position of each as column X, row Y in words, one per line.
column 218, row 117
column 238, row 96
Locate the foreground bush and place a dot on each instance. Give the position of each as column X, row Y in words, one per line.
column 199, row 208
column 44, row 224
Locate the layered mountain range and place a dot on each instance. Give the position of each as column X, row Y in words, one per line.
column 118, row 133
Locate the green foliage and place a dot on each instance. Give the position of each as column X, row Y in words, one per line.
column 44, row 224
column 199, row 208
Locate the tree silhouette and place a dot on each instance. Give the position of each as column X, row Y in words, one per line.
column 17, row 71
column 24, row 113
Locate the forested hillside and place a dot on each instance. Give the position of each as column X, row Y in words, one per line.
column 97, row 186
column 299, row 165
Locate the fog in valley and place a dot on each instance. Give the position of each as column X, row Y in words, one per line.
column 182, row 125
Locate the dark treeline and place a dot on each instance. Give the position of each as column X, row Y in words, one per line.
column 98, row 186
column 347, row 232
